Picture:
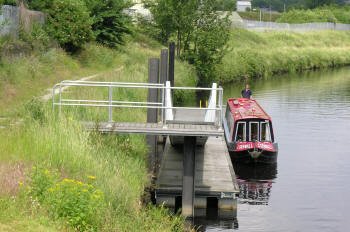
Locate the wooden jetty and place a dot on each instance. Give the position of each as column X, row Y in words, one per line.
column 214, row 178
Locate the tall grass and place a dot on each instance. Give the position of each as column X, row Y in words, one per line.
column 255, row 54
column 22, row 77
column 118, row 162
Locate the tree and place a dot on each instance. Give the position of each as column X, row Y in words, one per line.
column 210, row 36
column 175, row 17
column 109, row 22
column 201, row 32
column 69, row 23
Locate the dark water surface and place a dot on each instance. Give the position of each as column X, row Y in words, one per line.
column 309, row 188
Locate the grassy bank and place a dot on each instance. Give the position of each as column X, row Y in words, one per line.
column 255, row 15
column 261, row 54
column 57, row 177
column 333, row 14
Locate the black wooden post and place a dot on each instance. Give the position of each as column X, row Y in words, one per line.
column 171, row 63
column 152, row 115
column 188, row 191
column 164, row 59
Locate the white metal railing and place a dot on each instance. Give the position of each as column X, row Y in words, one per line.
column 165, row 104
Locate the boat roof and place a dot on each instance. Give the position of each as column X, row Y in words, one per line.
column 243, row 108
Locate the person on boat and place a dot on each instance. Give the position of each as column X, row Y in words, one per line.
column 246, row 93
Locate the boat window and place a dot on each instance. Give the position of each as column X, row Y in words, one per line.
column 241, row 132
column 265, row 131
column 253, row 131
column 229, row 119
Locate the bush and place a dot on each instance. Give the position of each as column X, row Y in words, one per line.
column 322, row 14
column 69, row 23
column 77, row 202
column 110, row 23
column 35, row 109
column 74, row 201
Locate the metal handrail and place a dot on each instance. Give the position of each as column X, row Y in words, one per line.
column 110, row 103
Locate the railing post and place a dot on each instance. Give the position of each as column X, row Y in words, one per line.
column 60, row 100
column 163, row 105
column 220, row 105
column 53, row 99
column 110, row 102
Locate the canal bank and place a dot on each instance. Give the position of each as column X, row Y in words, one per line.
column 114, row 165
column 262, row 54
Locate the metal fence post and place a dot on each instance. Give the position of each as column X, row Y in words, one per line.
column 220, row 105
column 110, row 102
column 60, row 100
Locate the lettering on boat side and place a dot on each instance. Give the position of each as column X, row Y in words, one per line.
column 251, row 145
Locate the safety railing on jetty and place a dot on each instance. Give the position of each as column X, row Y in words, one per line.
column 213, row 113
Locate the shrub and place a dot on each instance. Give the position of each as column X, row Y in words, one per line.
column 308, row 16
column 110, row 24
column 69, row 23
column 77, row 202
column 40, row 180
column 35, row 110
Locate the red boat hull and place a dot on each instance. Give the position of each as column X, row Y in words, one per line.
column 268, row 157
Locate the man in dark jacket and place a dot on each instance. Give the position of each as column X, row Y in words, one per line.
column 246, row 93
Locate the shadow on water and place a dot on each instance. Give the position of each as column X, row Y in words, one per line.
column 255, row 182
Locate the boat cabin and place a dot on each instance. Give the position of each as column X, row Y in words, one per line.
column 246, row 121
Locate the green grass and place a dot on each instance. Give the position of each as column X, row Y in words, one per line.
column 262, row 54
column 119, row 163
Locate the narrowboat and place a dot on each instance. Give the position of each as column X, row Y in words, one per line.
column 248, row 132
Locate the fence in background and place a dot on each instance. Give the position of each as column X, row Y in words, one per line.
column 302, row 27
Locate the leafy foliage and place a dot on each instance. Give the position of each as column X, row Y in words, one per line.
column 201, row 32
column 69, row 23
column 322, row 14
column 109, row 23
column 77, row 202
column 281, row 5
column 225, row 5
column 208, row 44
column 102, row 19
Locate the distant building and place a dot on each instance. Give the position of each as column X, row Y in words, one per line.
column 243, row 6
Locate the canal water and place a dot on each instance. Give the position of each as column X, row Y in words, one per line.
column 309, row 188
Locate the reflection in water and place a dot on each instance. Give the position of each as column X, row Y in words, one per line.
column 255, row 182
column 209, row 224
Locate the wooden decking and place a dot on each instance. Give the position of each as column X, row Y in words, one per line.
column 214, row 175
column 179, row 129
